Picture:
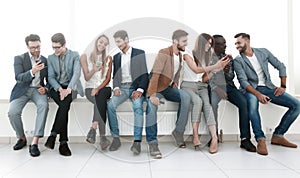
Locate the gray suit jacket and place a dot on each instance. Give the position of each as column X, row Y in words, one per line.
column 73, row 71
column 246, row 73
column 22, row 67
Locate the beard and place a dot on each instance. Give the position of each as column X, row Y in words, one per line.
column 180, row 48
column 242, row 49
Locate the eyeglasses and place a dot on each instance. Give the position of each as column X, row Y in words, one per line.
column 56, row 47
column 34, row 47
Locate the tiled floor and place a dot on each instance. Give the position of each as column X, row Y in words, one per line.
column 88, row 161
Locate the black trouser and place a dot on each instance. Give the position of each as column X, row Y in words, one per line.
column 60, row 125
column 101, row 101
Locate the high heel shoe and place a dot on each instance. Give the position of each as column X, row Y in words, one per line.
column 213, row 148
column 196, row 145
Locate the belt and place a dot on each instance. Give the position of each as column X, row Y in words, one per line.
column 126, row 83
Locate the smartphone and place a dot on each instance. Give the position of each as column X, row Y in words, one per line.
column 228, row 56
column 161, row 102
column 38, row 62
column 98, row 63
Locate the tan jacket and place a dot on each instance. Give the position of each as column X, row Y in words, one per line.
column 162, row 74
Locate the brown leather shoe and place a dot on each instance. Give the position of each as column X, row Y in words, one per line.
column 276, row 140
column 262, row 147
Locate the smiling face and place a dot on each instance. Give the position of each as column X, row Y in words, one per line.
column 122, row 44
column 102, row 43
column 241, row 44
column 34, row 48
column 59, row 49
column 181, row 43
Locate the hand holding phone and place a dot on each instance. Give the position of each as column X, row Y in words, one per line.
column 228, row 56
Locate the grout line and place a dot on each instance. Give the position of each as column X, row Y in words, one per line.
column 86, row 162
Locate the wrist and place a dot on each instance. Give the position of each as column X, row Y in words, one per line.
column 283, row 86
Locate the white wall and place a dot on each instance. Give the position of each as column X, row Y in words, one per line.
column 268, row 22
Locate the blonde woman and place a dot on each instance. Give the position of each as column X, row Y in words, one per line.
column 97, row 73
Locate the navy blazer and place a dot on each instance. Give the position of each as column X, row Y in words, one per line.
column 22, row 67
column 138, row 70
column 246, row 73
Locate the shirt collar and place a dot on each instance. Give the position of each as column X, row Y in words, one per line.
column 129, row 51
column 31, row 57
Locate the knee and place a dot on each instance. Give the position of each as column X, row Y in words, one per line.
column 12, row 112
column 138, row 105
column 110, row 105
column 43, row 105
column 185, row 97
column 297, row 107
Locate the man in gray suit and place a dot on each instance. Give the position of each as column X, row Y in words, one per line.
column 63, row 75
column 31, row 76
column 253, row 74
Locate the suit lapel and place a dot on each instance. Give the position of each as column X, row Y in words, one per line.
column 259, row 56
column 247, row 61
column 27, row 62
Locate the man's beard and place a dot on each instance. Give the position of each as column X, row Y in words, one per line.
column 243, row 49
column 180, row 48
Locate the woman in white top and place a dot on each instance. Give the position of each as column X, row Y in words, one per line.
column 97, row 73
column 194, row 82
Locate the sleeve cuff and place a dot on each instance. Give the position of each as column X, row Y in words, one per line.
column 140, row 90
column 116, row 88
column 32, row 75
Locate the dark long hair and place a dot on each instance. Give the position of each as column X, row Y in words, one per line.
column 199, row 52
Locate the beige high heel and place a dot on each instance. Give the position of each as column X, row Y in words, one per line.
column 213, row 148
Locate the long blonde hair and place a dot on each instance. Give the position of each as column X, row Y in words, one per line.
column 94, row 54
column 199, row 53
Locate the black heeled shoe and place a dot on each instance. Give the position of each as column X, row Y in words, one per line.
column 197, row 147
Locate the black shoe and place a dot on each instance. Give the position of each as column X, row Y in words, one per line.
column 34, row 150
column 50, row 143
column 20, row 144
column 178, row 136
column 64, row 150
column 136, row 148
column 115, row 144
column 247, row 145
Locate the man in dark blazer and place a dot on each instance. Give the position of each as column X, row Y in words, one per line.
column 31, row 76
column 130, row 80
column 251, row 67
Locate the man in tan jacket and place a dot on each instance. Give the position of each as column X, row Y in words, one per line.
column 164, row 83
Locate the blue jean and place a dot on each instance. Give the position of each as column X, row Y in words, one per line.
column 16, row 107
column 238, row 99
column 285, row 100
column 175, row 95
column 138, row 110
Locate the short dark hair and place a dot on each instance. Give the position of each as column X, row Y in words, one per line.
column 217, row 36
column 244, row 35
column 121, row 34
column 178, row 34
column 32, row 37
column 58, row 38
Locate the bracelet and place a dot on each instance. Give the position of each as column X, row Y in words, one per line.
column 283, row 86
